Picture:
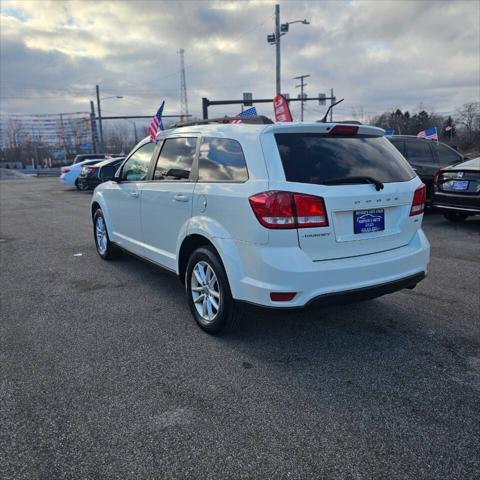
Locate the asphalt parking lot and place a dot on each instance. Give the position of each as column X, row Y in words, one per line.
column 105, row 375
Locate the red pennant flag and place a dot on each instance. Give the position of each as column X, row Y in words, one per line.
column 281, row 109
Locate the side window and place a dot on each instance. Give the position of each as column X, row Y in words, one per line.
column 419, row 152
column 176, row 158
column 221, row 160
column 399, row 145
column 446, row 155
column 136, row 167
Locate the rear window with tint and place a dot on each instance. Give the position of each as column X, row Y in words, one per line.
column 314, row 158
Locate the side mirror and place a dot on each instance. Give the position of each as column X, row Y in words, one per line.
column 178, row 173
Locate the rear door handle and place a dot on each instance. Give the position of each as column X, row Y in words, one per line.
column 134, row 194
column 178, row 197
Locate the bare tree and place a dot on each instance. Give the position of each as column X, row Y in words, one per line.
column 469, row 117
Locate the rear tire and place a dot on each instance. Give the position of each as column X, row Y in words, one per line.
column 105, row 248
column 208, row 293
column 455, row 217
column 81, row 186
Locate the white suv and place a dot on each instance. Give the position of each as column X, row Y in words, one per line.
column 279, row 215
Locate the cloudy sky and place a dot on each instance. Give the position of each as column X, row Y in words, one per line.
column 377, row 54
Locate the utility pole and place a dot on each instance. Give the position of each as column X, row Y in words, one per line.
column 332, row 101
column 302, row 98
column 274, row 39
column 135, row 131
column 100, row 119
column 183, row 87
column 92, row 123
column 277, row 48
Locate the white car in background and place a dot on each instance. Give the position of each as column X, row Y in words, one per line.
column 70, row 173
column 276, row 215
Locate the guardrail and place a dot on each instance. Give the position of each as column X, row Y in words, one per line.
column 41, row 171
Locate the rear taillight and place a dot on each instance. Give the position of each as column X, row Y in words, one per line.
column 437, row 177
column 418, row 203
column 276, row 209
column 344, row 130
column 64, row 169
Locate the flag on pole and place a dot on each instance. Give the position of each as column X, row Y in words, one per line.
column 156, row 124
column 249, row 112
column 429, row 134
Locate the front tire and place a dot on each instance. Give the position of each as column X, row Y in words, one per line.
column 455, row 217
column 105, row 247
column 208, row 292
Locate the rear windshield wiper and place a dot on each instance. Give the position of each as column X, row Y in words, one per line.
column 347, row 180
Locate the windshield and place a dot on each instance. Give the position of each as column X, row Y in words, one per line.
column 315, row 158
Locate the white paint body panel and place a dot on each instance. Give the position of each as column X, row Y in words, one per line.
column 258, row 261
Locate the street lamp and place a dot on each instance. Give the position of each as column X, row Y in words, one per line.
column 100, row 113
column 274, row 39
column 113, row 96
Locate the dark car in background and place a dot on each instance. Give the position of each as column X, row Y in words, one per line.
column 456, row 190
column 93, row 175
column 426, row 157
column 88, row 156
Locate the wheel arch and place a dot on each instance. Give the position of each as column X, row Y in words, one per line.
column 189, row 244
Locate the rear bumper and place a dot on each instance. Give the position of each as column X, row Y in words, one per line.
column 461, row 203
column 91, row 183
column 357, row 295
column 265, row 270
column 366, row 293
column 67, row 179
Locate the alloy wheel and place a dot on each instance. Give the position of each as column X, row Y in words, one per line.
column 101, row 235
column 205, row 291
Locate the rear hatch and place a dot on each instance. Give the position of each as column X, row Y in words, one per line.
column 366, row 185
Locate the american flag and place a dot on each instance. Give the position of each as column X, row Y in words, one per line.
column 429, row 134
column 250, row 112
column 156, row 124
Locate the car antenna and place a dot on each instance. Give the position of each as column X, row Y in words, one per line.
column 324, row 119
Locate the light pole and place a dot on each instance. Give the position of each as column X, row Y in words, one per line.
column 100, row 126
column 274, row 39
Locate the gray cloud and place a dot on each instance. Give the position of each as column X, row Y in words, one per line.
column 378, row 55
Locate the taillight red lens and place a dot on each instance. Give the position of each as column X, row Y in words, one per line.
column 437, row 177
column 310, row 211
column 276, row 209
column 344, row 130
column 418, row 203
column 65, row 169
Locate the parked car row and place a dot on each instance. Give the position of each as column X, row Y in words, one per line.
column 87, row 173
column 452, row 180
column 453, row 188
column 426, row 157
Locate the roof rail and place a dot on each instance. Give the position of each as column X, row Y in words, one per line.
column 257, row 119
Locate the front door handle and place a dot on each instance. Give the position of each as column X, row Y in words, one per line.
column 134, row 194
column 178, row 197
